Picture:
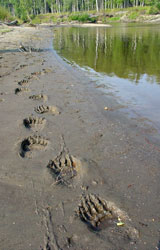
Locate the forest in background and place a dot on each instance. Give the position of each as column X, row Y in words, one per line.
column 29, row 9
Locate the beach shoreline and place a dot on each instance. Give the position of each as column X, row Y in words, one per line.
column 118, row 156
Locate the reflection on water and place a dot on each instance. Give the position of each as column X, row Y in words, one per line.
column 128, row 57
column 127, row 52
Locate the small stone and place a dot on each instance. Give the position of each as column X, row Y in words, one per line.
column 94, row 182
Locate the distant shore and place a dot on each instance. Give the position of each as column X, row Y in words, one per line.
column 144, row 14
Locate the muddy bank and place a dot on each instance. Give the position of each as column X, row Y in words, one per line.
column 58, row 142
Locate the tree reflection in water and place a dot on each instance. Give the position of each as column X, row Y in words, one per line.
column 124, row 51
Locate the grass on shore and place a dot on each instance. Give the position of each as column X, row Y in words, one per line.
column 105, row 16
column 4, row 31
column 5, row 15
column 130, row 14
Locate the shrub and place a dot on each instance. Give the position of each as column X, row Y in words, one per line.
column 158, row 5
column 93, row 19
column 82, row 18
column 53, row 19
column 115, row 18
column 4, row 14
column 153, row 10
column 133, row 15
column 36, row 20
column 74, row 17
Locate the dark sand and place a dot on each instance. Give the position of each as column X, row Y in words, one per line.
column 119, row 156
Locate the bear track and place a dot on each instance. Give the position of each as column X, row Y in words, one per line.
column 24, row 81
column 95, row 211
column 21, row 90
column 33, row 142
column 32, row 122
column 63, row 167
column 47, row 109
column 38, row 97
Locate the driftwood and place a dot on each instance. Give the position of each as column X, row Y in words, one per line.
column 30, row 49
column 15, row 22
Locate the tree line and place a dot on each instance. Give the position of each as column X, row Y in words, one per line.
column 28, row 8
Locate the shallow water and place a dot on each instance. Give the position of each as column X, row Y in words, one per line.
column 125, row 58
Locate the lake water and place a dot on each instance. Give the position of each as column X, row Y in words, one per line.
column 124, row 57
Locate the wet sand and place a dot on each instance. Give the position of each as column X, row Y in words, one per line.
column 114, row 156
column 87, row 25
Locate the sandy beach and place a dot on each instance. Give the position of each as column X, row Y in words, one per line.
column 61, row 138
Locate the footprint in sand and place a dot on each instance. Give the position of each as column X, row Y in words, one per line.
column 24, row 81
column 33, row 143
column 38, row 97
column 21, row 90
column 34, row 122
column 47, row 109
column 99, row 214
column 64, row 168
